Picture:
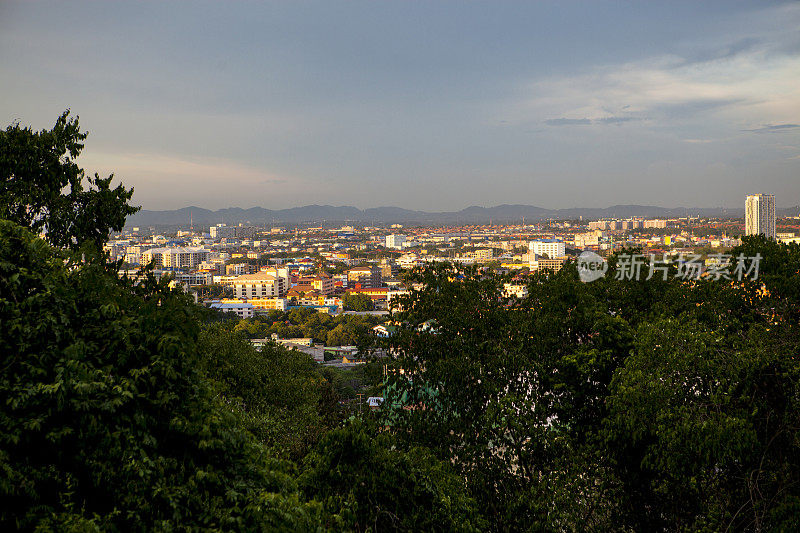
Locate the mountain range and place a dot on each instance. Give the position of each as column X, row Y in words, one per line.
column 383, row 215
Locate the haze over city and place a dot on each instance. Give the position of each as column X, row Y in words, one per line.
column 430, row 106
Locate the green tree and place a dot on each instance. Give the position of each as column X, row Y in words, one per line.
column 704, row 427
column 276, row 393
column 108, row 423
column 357, row 302
column 366, row 483
column 42, row 186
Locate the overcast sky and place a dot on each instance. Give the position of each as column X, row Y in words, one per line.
column 423, row 105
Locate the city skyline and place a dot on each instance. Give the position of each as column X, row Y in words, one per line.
column 424, row 106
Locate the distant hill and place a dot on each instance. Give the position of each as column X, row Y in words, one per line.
column 384, row 215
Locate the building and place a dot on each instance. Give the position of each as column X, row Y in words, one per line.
column 283, row 276
column 257, row 285
column 599, row 224
column 550, row 247
column 368, row 276
column 554, row 264
column 409, row 261
column 483, row 254
column 631, row 224
column 512, row 290
column 659, row 224
column 189, row 257
column 389, row 269
column 221, row 231
column 759, row 215
column 590, row 238
column 239, row 269
column 242, row 309
column 322, row 283
column 395, row 241
column 279, row 304
column 194, row 279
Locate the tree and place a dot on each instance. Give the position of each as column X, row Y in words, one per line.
column 366, row 483
column 276, row 393
column 357, row 302
column 42, row 186
column 703, row 428
column 108, row 424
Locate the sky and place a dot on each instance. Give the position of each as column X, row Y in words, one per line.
column 431, row 105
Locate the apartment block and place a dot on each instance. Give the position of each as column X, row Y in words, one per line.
column 759, row 213
column 550, row 247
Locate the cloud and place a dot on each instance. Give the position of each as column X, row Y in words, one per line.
column 774, row 128
column 745, row 82
column 588, row 121
column 718, row 53
column 162, row 180
column 615, row 120
column 568, row 122
column 698, row 141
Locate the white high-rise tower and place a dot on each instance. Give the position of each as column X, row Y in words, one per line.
column 759, row 215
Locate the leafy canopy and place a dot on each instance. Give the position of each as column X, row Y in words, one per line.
column 42, row 186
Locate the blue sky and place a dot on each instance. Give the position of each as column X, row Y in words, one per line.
column 423, row 105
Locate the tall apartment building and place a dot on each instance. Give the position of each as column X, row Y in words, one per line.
column 759, row 215
column 631, row 224
column 221, row 231
column 174, row 257
column 395, row 241
column 552, row 247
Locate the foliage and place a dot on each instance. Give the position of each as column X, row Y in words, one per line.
column 342, row 330
column 42, row 187
column 107, row 423
column 357, row 302
column 704, row 428
column 366, row 483
column 214, row 291
column 277, row 394
column 618, row 404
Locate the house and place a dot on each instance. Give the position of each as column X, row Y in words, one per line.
column 384, row 330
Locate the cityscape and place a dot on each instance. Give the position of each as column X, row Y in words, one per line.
column 251, row 269
column 317, row 265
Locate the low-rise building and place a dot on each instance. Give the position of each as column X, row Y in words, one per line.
column 511, row 290
column 368, row 276
column 256, row 285
column 242, row 309
column 322, row 283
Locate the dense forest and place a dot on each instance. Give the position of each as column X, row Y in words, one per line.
column 623, row 405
